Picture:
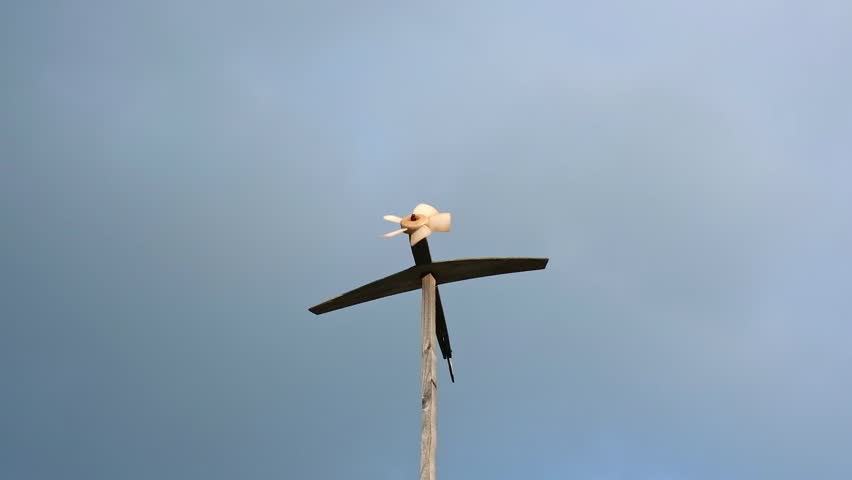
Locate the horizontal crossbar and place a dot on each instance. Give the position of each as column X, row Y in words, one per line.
column 444, row 272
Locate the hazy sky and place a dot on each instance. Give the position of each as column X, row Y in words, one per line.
column 180, row 181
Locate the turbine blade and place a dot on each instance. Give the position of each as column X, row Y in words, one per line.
column 425, row 210
column 392, row 218
column 394, row 233
column 420, row 234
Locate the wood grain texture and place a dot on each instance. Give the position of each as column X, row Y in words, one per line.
column 444, row 272
column 428, row 380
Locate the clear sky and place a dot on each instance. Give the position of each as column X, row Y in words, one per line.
column 181, row 180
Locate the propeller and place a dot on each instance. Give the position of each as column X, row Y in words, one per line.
column 424, row 220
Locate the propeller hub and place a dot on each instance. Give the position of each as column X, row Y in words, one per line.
column 414, row 221
column 424, row 220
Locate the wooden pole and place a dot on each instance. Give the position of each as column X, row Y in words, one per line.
column 428, row 380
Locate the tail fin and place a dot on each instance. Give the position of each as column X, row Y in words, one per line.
column 442, row 334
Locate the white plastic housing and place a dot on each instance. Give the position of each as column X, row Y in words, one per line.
column 440, row 222
column 425, row 210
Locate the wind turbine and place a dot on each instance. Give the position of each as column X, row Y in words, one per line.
column 427, row 275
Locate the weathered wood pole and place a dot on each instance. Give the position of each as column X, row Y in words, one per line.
column 428, row 380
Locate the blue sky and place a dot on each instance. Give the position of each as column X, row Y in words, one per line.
column 180, row 181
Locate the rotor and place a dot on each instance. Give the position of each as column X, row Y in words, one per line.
column 424, row 220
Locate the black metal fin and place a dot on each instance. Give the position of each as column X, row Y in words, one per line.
column 421, row 254
column 442, row 333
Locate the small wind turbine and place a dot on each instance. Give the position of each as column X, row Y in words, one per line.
column 427, row 275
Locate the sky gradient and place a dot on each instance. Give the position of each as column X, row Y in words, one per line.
column 180, row 181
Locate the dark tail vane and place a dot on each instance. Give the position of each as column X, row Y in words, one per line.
column 444, row 272
column 442, row 333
